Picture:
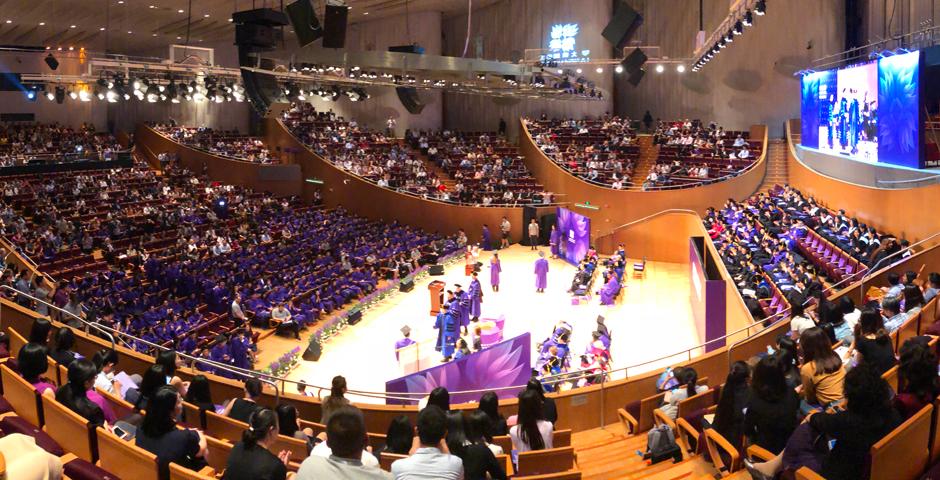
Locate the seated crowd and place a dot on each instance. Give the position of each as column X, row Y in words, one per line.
column 602, row 151
column 221, row 143
column 21, row 142
column 693, row 153
column 487, row 169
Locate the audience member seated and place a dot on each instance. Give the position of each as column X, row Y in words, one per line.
column 773, row 406
column 31, row 363
column 867, row 418
column 75, row 393
column 289, row 425
column 399, row 437
column 479, row 462
column 531, row 431
column 918, row 383
column 822, row 372
column 602, row 151
column 241, row 409
column 733, row 403
column 229, row 144
column 160, row 436
column 346, row 441
column 199, row 393
column 335, row 400
column 250, row 458
column 62, row 343
column 692, row 153
column 429, row 459
column 23, row 142
column 24, row 460
column 686, row 387
column 872, row 345
column 495, row 422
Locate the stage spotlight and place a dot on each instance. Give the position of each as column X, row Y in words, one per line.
column 660, row 68
column 578, row 71
column 680, row 68
column 738, row 28
column 748, row 19
column 50, row 95
column 618, row 69
column 761, row 7
column 599, row 70
column 99, row 93
column 52, row 62
column 153, row 94
column 73, row 94
column 84, row 96
column 31, row 95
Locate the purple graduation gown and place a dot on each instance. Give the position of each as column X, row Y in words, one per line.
column 463, row 306
column 541, row 273
column 487, row 243
column 476, row 297
column 495, row 268
column 609, row 291
column 555, row 240
column 402, row 344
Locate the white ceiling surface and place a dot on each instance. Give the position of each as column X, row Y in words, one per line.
column 127, row 26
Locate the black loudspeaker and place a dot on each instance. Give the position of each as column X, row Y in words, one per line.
column 622, row 25
column 406, row 285
column 52, row 62
column 262, row 91
column 334, row 26
column 634, row 61
column 409, row 99
column 257, row 37
column 313, row 351
column 545, row 226
column 436, row 270
column 354, row 316
column 304, row 19
column 636, row 76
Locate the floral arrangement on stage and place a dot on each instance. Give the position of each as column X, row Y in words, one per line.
column 338, row 323
column 283, row 365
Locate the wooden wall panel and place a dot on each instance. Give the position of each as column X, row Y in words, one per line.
column 903, row 212
column 281, row 180
column 617, row 208
column 749, row 82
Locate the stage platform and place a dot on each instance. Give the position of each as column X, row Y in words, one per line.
column 866, row 173
column 651, row 318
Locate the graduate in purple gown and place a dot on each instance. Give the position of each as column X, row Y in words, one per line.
column 448, row 332
column 476, row 297
column 487, row 241
column 462, row 312
column 554, row 239
column 610, row 289
column 541, row 273
column 495, row 269
column 405, row 341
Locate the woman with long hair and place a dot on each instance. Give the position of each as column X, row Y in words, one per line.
column 154, row 378
column 872, row 344
column 241, row 408
column 40, row 331
column 479, row 457
column 495, row 423
column 918, row 383
column 170, row 361
column 688, row 387
column 335, row 400
column 440, row 398
column 289, row 425
column 531, row 432
column 399, row 437
column 159, row 435
column 456, row 435
column 773, row 406
column 729, row 416
column 913, row 300
column 251, row 458
column 199, row 394
column 74, row 394
column 822, row 372
column 32, row 364
column 61, row 350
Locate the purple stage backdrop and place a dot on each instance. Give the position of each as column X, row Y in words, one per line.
column 576, row 230
column 505, row 364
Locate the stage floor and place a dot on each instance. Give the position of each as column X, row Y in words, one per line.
column 652, row 318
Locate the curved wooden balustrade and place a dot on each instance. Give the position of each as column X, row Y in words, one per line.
column 361, row 197
column 904, row 212
column 618, row 207
column 281, row 180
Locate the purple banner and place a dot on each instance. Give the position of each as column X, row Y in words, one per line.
column 506, row 364
column 576, row 235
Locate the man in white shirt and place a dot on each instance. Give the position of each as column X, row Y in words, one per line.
column 533, row 235
column 505, row 227
column 237, row 313
column 345, row 447
column 429, row 461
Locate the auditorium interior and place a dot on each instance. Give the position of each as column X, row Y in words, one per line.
column 469, row 239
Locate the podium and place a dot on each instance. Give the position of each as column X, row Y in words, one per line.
column 436, row 288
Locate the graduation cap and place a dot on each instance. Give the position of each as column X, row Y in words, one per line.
column 406, row 330
column 457, row 285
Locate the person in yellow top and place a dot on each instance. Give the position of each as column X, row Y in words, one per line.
column 822, row 372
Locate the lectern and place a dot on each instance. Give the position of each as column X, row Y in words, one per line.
column 436, row 288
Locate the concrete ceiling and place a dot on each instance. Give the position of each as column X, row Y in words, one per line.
column 123, row 26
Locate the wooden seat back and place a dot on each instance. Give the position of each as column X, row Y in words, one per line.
column 178, row 472
column 317, row 428
column 651, row 403
column 891, row 376
column 569, row 475
column 70, row 430
column 121, row 408
column 904, row 452
column 928, row 315
column 504, row 442
column 222, row 427
column 696, row 403
column 194, row 415
column 17, row 342
column 217, row 453
column 907, row 330
column 376, row 440
column 22, row 396
column 124, row 459
column 387, row 459
column 296, row 447
column 538, row 462
column 561, row 438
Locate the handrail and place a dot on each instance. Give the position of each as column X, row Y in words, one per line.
column 12, row 248
column 95, row 325
column 906, row 181
column 873, row 269
column 648, row 217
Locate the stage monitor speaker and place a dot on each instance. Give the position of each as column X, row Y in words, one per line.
column 634, row 61
column 334, row 26
column 636, row 76
column 354, row 316
column 313, row 351
column 406, row 285
column 304, row 19
column 436, row 270
column 409, row 99
column 622, row 25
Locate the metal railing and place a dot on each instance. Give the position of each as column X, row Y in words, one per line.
column 97, row 326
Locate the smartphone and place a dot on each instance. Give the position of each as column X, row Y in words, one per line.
column 120, row 433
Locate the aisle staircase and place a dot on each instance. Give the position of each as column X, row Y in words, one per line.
column 433, row 169
column 608, row 454
column 777, row 173
column 649, row 153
